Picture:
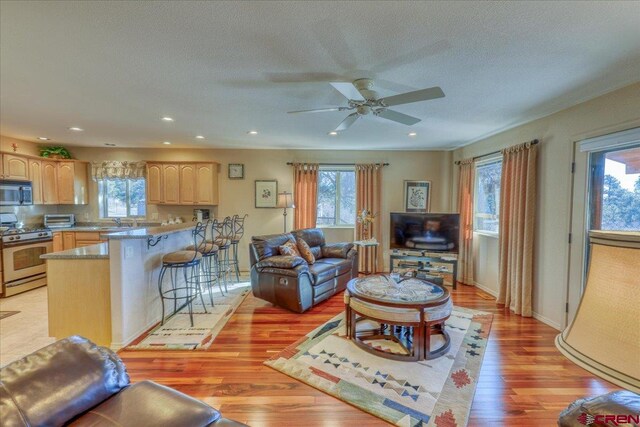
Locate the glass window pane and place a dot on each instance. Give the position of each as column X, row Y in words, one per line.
column 616, row 190
column 487, row 197
column 347, row 198
column 137, row 197
column 116, row 197
column 327, row 197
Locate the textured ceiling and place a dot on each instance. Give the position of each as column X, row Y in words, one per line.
column 221, row 69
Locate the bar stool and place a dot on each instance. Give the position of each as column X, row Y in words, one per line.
column 222, row 239
column 208, row 273
column 238, row 232
column 187, row 262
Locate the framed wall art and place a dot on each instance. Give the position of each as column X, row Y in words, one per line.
column 417, row 196
column 266, row 193
column 236, row 171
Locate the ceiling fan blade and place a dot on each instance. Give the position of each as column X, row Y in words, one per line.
column 397, row 117
column 318, row 110
column 348, row 90
column 347, row 122
column 415, row 96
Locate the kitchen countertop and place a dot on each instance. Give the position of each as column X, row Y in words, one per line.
column 97, row 251
column 146, row 232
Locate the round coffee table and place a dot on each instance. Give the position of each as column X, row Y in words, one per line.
column 409, row 313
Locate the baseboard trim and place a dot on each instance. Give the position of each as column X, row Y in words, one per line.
column 486, row 289
column 537, row 316
column 547, row 321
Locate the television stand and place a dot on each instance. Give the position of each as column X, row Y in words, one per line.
column 422, row 262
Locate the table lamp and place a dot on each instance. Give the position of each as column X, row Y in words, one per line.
column 285, row 201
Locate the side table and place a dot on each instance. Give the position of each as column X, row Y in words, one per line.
column 368, row 247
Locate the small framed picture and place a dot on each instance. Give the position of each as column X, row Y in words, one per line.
column 236, row 171
column 416, row 196
column 266, row 193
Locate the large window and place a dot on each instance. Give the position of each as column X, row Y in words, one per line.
column 487, row 196
column 615, row 190
column 121, row 198
column 336, row 197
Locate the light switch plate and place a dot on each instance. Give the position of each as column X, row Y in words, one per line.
column 128, row 252
column 154, row 216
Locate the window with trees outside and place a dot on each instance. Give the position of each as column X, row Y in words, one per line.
column 122, row 198
column 486, row 206
column 336, row 197
column 615, row 190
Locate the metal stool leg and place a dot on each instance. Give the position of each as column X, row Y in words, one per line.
column 216, row 272
column 195, row 270
column 235, row 261
column 162, row 271
column 207, row 266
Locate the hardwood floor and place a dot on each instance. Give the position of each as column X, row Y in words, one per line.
column 524, row 380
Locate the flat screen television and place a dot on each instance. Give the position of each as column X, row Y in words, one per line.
column 430, row 232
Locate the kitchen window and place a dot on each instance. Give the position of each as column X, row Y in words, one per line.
column 486, row 206
column 122, row 198
column 336, row 198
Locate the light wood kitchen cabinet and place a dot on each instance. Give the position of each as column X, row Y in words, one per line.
column 171, row 184
column 182, row 183
column 187, row 184
column 35, row 172
column 49, row 182
column 72, row 183
column 87, row 238
column 68, row 240
column 154, row 183
column 15, row 167
column 206, row 184
column 58, row 243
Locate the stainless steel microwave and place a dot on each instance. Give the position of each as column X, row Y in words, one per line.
column 15, row 193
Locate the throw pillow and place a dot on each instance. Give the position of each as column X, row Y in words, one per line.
column 305, row 251
column 289, row 249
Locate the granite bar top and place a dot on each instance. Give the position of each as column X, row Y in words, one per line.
column 97, row 251
column 146, row 232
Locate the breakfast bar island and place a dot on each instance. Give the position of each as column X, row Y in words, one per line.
column 108, row 292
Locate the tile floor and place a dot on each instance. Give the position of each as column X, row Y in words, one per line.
column 27, row 331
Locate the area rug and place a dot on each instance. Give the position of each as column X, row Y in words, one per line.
column 436, row 392
column 5, row 314
column 177, row 332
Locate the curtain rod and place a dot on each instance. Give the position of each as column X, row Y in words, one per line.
column 457, row 162
column 336, row 164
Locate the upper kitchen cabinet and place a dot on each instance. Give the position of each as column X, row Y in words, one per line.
column 72, row 183
column 15, row 167
column 154, row 183
column 35, row 172
column 182, row 183
column 49, row 182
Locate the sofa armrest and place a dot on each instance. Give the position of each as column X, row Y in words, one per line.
column 280, row 261
column 337, row 250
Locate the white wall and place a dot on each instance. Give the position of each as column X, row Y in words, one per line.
column 558, row 132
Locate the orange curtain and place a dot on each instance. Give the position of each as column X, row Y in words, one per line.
column 465, row 207
column 368, row 196
column 517, row 227
column 305, row 194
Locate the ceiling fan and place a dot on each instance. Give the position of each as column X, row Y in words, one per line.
column 364, row 100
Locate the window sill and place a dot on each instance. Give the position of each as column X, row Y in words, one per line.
column 487, row 234
column 337, row 226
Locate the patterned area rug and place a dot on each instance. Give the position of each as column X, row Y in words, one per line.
column 435, row 392
column 177, row 332
column 5, row 314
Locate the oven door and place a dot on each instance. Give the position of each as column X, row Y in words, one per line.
column 23, row 260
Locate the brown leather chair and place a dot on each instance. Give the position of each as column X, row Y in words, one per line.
column 290, row 282
column 75, row 382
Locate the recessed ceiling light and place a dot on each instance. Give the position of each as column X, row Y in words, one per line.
column 412, row 133
column 43, row 138
column 199, row 137
column 333, row 133
column 253, row 132
column 76, row 129
column 167, row 119
column 108, row 144
column 167, row 143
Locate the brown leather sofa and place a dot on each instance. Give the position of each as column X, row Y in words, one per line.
column 290, row 282
column 77, row 383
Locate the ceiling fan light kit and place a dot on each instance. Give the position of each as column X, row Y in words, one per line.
column 365, row 101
